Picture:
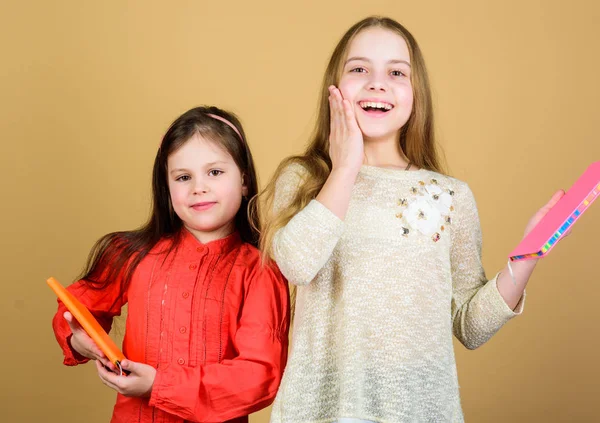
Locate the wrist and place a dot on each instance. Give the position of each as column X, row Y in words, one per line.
column 524, row 265
column 520, row 270
column 344, row 172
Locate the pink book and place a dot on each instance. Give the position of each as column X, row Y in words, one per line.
column 561, row 217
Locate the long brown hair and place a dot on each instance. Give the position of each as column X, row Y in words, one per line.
column 416, row 139
column 115, row 256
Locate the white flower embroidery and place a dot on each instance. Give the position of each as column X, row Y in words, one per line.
column 440, row 199
column 428, row 210
column 422, row 216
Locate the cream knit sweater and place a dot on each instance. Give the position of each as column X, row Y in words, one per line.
column 379, row 297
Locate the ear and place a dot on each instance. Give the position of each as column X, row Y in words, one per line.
column 244, row 186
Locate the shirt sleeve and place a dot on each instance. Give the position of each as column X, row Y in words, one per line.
column 104, row 304
column 303, row 246
column 478, row 309
column 242, row 385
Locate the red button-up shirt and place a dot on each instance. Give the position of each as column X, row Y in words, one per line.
column 210, row 318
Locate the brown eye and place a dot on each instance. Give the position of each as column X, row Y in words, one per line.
column 215, row 172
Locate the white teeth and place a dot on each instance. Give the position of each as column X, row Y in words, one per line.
column 375, row 105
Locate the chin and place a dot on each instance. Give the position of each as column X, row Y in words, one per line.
column 379, row 135
column 207, row 228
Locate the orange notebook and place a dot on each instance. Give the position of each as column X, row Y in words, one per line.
column 89, row 323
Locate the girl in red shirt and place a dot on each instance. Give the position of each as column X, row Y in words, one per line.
column 207, row 328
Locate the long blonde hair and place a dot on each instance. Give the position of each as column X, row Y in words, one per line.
column 416, row 139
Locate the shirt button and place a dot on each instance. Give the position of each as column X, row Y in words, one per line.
column 182, row 329
column 185, row 294
column 199, row 249
column 193, row 266
column 181, row 361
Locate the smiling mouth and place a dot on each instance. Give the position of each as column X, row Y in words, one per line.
column 378, row 107
column 203, row 206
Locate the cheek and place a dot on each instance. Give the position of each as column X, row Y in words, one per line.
column 404, row 93
column 349, row 88
column 233, row 193
column 178, row 194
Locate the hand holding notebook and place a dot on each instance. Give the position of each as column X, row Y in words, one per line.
column 79, row 320
column 555, row 224
column 84, row 345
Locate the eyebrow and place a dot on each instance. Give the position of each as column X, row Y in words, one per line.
column 364, row 59
column 216, row 162
column 211, row 164
column 178, row 170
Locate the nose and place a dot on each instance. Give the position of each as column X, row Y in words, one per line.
column 201, row 186
column 377, row 83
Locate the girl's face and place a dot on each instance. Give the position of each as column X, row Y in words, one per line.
column 206, row 188
column 376, row 81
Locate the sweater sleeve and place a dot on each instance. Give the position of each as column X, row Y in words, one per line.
column 244, row 384
column 303, row 246
column 478, row 309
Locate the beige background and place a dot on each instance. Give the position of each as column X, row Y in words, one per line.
column 87, row 90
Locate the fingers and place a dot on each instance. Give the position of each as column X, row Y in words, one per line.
column 343, row 121
column 333, row 124
column 555, row 198
column 108, row 378
column 135, row 369
column 97, row 354
column 345, row 117
column 340, row 112
column 130, row 366
column 72, row 322
column 552, row 202
column 349, row 117
column 104, row 374
column 543, row 211
column 89, row 347
column 82, row 342
column 108, row 364
column 345, row 137
column 336, row 113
